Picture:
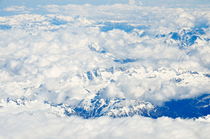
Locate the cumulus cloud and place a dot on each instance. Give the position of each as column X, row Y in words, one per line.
column 41, row 122
column 120, row 51
column 59, row 53
column 17, row 9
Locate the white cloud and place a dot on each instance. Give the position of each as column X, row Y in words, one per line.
column 17, row 9
column 176, row 3
column 64, row 57
column 40, row 121
column 37, row 54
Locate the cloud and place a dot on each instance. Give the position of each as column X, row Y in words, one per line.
column 17, row 9
column 38, row 121
column 147, row 54
column 65, row 52
column 176, row 3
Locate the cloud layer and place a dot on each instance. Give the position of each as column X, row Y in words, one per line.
column 66, row 58
column 75, row 52
column 41, row 121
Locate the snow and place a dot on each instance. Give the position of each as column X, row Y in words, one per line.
column 57, row 61
column 69, row 55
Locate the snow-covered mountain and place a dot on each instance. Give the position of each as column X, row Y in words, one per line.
column 104, row 71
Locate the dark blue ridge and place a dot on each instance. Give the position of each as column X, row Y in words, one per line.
column 207, row 75
column 178, row 80
column 160, row 36
column 5, row 27
column 193, row 72
column 94, row 109
column 207, row 39
column 175, row 36
column 124, row 61
column 186, row 37
column 58, row 22
column 99, row 106
column 90, row 76
column 101, row 50
column 111, row 69
column 185, row 108
column 108, row 26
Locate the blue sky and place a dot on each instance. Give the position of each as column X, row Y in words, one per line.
column 188, row 3
column 43, row 2
column 36, row 3
column 30, row 3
